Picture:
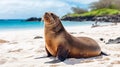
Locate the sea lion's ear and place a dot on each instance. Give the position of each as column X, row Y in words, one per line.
column 62, row 53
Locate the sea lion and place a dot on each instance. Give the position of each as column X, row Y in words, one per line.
column 60, row 44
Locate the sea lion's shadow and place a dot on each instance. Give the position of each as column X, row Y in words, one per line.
column 41, row 57
column 53, row 61
column 72, row 61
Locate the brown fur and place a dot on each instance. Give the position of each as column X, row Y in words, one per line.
column 58, row 40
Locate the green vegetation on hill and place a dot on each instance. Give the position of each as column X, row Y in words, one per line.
column 98, row 8
column 97, row 12
column 101, row 12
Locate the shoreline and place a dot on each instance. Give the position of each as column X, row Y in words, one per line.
column 67, row 27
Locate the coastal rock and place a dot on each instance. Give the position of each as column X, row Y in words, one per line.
column 101, row 39
column 3, row 41
column 114, row 41
column 33, row 19
column 38, row 37
column 81, row 18
column 107, row 18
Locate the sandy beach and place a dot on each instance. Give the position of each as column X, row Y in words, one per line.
column 23, row 48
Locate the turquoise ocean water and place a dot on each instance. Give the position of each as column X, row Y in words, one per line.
column 21, row 24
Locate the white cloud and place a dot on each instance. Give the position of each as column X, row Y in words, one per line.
column 29, row 8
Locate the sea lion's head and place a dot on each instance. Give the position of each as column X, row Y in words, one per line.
column 52, row 22
column 51, row 19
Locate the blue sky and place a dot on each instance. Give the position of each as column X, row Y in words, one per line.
column 22, row 9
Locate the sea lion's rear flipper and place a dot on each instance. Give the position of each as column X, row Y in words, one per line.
column 48, row 53
column 103, row 53
column 62, row 53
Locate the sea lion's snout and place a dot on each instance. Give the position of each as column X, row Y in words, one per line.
column 49, row 18
column 46, row 17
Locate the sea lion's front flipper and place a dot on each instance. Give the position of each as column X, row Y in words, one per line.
column 48, row 53
column 62, row 53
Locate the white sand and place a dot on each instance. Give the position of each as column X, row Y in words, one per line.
column 22, row 48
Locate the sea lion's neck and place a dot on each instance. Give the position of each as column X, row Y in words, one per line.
column 57, row 29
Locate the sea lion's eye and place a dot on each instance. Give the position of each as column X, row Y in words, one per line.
column 52, row 14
